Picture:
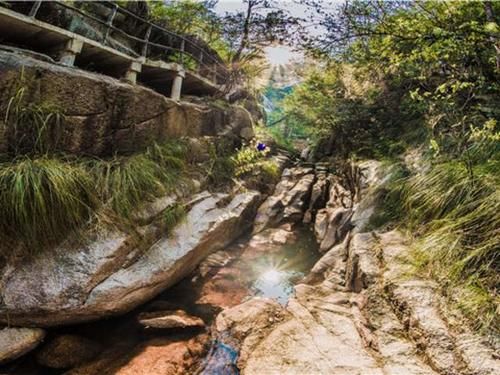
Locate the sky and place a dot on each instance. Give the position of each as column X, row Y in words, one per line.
column 277, row 55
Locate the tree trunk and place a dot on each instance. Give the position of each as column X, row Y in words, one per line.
column 246, row 33
column 490, row 17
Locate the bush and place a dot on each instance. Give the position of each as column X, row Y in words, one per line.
column 43, row 198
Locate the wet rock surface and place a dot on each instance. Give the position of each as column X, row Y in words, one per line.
column 271, row 303
column 169, row 319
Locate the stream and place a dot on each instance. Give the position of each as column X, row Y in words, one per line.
column 266, row 303
column 176, row 332
column 267, row 264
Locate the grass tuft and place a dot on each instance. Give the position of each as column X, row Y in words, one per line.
column 173, row 215
column 36, row 128
column 457, row 214
column 44, row 198
column 125, row 182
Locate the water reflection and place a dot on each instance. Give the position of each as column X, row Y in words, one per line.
column 221, row 360
column 278, row 272
column 276, row 284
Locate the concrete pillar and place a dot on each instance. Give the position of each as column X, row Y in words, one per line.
column 72, row 48
column 131, row 74
column 175, row 94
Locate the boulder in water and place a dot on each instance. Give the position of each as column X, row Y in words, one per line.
column 169, row 319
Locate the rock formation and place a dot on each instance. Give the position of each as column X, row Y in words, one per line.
column 111, row 273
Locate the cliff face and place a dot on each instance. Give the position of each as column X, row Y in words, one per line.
column 104, row 116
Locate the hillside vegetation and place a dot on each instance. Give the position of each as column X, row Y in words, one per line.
column 423, row 77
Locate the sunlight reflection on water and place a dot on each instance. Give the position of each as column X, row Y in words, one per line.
column 276, row 284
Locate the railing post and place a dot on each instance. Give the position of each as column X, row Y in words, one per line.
column 34, row 9
column 111, row 17
column 71, row 49
column 133, row 70
column 214, row 73
column 176, row 90
column 146, row 41
column 200, row 62
column 182, row 50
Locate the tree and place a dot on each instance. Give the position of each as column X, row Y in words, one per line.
column 190, row 17
column 260, row 24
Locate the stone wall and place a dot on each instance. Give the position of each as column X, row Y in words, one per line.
column 104, row 116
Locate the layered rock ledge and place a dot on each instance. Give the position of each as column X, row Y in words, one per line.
column 113, row 273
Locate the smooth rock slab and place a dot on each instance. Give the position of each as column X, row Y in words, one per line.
column 169, row 319
column 74, row 284
column 15, row 342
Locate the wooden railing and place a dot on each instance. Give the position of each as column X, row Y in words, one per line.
column 167, row 45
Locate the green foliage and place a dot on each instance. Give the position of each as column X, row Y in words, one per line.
column 389, row 198
column 190, row 17
column 126, row 182
column 247, row 159
column 275, row 136
column 226, row 164
column 422, row 72
column 43, row 198
column 354, row 112
column 220, row 168
column 255, row 167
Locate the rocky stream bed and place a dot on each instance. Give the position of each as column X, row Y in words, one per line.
column 304, row 290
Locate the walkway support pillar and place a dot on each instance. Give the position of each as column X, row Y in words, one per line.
column 175, row 94
column 132, row 71
column 72, row 48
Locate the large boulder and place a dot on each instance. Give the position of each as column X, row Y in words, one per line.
column 112, row 273
column 14, row 342
column 289, row 200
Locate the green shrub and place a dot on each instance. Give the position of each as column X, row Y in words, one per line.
column 220, row 171
column 44, row 198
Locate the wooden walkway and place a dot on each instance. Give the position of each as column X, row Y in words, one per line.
column 102, row 40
